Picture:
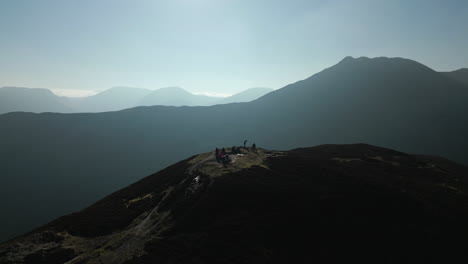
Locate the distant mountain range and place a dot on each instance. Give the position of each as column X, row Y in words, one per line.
column 175, row 96
column 38, row 100
column 113, row 99
column 327, row 204
column 390, row 102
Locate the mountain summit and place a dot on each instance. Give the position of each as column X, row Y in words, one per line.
column 330, row 203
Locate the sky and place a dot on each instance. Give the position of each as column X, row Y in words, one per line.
column 216, row 47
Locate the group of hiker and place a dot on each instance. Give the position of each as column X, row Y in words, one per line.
column 223, row 157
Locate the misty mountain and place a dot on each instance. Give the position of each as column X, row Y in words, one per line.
column 175, row 96
column 394, row 103
column 246, row 96
column 113, row 99
column 327, row 204
column 30, row 100
column 43, row 100
column 117, row 98
column 460, row 75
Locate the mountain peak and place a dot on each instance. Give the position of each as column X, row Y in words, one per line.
column 381, row 59
column 15, row 89
column 382, row 63
column 36, row 100
column 349, row 59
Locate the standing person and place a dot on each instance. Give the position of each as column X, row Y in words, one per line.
column 217, row 155
column 245, row 143
column 254, row 147
column 223, row 151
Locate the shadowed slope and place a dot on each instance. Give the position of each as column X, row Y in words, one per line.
column 329, row 203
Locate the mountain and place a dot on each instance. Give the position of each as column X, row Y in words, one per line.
column 36, row 100
column 460, row 75
column 246, row 96
column 175, row 96
column 113, row 99
column 117, row 98
column 326, row 204
column 390, row 102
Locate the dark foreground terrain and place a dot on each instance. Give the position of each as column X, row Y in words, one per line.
column 331, row 203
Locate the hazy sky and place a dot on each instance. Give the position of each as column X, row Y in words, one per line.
column 217, row 46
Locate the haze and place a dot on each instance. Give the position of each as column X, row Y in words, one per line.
column 216, row 47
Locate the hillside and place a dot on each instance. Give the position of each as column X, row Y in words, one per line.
column 390, row 102
column 331, row 203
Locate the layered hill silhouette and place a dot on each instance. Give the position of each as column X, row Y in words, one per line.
column 390, row 102
column 327, row 204
column 39, row 100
